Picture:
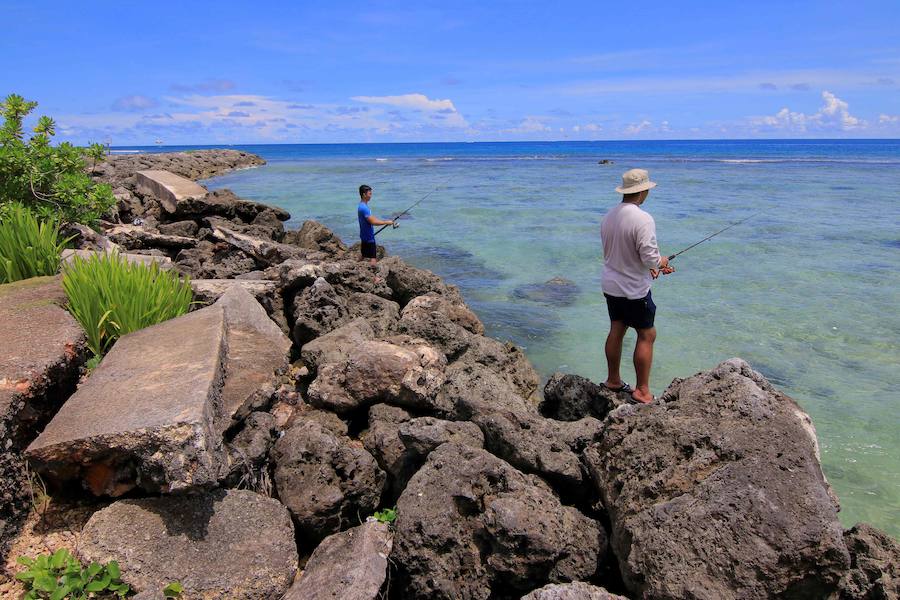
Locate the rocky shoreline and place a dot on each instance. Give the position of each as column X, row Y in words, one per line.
column 249, row 440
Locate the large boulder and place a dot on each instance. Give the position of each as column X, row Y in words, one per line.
column 136, row 237
column 312, row 235
column 227, row 205
column 317, row 310
column 214, row 261
column 336, row 345
column 571, row 591
column 469, row 523
column 379, row 371
column 716, row 491
column 350, row 565
column 407, row 282
column 224, row 544
column 264, row 251
column 326, row 480
column 146, row 416
column 874, row 565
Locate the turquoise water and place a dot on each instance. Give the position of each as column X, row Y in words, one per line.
column 807, row 292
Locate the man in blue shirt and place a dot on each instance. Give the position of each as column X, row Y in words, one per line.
column 366, row 222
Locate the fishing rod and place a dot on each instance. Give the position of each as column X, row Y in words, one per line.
column 383, row 227
column 709, row 237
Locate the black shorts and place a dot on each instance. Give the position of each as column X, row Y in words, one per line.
column 639, row 313
column 368, row 249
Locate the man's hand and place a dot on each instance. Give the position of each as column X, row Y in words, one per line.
column 664, row 268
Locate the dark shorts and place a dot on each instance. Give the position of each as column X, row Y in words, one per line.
column 639, row 313
column 368, row 249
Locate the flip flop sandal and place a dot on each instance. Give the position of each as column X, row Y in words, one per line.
column 625, row 388
column 633, row 400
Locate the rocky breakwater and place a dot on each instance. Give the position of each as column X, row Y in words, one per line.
column 396, row 398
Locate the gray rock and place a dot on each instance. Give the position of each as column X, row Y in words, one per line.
column 137, row 237
column 571, row 591
column 315, row 236
column 382, row 440
column 264, row 251
column 179, row 228
column 226, row 204
column 146, row 416
column 423, row 434
column 317, row 310
column 225, row 544
column 214, row 261
column 874, row 572
column 249, row 449
column 378, row 371
column 258, row 352
column 716, row 491
column 326, row 481
column 357, row 276
column 381, row 314
column 407, row 282
column 336, row 345
column 68, row 256
column 350, row 565
column 297, row 273
column 468, row 523
column 571, row 397
column 507, row 361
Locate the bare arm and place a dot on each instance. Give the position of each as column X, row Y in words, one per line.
column 373, row 220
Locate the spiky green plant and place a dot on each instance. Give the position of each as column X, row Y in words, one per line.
column 111, row 297
column 28, row 247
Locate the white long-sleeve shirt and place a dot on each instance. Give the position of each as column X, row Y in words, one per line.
column 629, row 251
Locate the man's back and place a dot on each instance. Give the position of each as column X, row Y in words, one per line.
column 629, row 251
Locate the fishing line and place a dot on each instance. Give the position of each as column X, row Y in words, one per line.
column 419, row 201
column 709, row 237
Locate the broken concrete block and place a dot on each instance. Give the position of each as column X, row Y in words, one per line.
column 168, row 188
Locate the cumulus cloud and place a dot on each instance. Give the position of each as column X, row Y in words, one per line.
column 833, row 115
column 529, row 125
column 889, row 119
column 134, row 103
column 414, row 101
column 635, row 128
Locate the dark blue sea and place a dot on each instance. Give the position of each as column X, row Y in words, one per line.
column 807, row 290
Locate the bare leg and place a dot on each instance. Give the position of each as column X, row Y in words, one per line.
column 643, row 359
column 613, row 349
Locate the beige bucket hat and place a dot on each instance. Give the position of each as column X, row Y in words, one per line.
column 634, row 181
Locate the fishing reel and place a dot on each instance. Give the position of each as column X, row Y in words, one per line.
column 395, row 225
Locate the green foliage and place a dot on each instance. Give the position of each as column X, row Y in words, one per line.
column 173, row 590
column 60, row 575
column 28, row 248
column 51, row 180
column 111, row 297
column 388, row 515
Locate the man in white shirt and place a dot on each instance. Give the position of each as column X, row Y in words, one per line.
column 631, row 260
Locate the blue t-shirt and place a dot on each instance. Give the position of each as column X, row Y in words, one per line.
column 366, row 231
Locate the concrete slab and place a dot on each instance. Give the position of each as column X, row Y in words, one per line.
column 168, row 187
column 41, row 350
column 210, row 290
column 146, row 416
column 164, row 262
column 257, row 352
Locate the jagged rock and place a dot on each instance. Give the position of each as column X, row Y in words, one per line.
column 136, row 237
column 716, row 491
column 401, row 443
column 377, row 371
column 225, row 544
column 470, row 389
column 440, row 321
column 354, row 251
column 555, row 292
column 249, row 449
column 505, row 360
column 214, row 261
column 874, row 572
column 207, row 291
column 297, row 273
column 41, row 353
column 315, row 236
column 267, row 252
column 146, row 416
column 317, row 310
column 409, row 282
column 337, row 344
column 88, row 239
column 168, row 188
column 326, row 481
column 225, row 204
column 540, row 446
column 456, row 312
column 571, row 591
column 356, row 276
column 258, row 351
column 469, row 523
column 350, row 565
column 165, row 263
column 179, row 228
column 571, row 397
column 381, row 314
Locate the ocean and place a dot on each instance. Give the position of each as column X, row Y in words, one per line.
column 806, row 290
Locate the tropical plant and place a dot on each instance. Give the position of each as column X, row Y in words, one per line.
column 173, row 590
column 111, row 297
column 28, row 247
column 60, row 575
column 387, row 515
column 51, row 180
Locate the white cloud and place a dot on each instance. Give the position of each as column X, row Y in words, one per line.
column 529, row 125
column 635, row 128
column 893, row 119
column 134, row 102
column 415, row 101
column 833, row 115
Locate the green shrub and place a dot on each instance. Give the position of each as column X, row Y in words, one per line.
column 50, row 180
column 28, row 247
column 60, row 575
column 388, row 515
column 111, row 297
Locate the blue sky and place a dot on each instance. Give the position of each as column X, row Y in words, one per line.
column 294, row 72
